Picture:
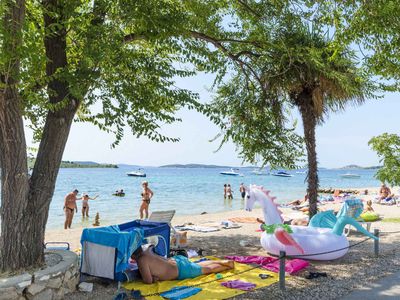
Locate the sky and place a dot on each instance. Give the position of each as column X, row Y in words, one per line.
column 341, row 140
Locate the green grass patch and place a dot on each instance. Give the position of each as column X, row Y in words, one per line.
column 391, row 220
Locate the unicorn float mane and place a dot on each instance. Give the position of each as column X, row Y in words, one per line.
column 272, row 214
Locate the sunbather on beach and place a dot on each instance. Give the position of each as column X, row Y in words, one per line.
column 384, row 192
column 70, row 207
column 368, row 207
column 147, row 194
column 299, row 201
column 153, row 267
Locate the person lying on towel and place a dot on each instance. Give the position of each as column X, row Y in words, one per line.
column 153, row 267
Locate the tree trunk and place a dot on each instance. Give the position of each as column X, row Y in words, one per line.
column 309, row 118
column 16, row 211
column 25, row 203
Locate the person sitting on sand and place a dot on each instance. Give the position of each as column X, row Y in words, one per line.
column 368, row 206
column 85, row 205
column 153, row 267
column 384, row 192
column 146, row 194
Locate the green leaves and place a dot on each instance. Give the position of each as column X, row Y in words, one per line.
column 387, row 146
column 122, row 61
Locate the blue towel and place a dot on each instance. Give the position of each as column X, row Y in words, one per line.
column 180, row 292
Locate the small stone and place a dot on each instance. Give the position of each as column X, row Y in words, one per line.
column 71, row 283
column 47, row 294
column 9, row 293
column 35, row 289
column 54, row 283
column 67, row 276
column 22, row 285
column 59, row 294
column 86, row 287
column 43, row 278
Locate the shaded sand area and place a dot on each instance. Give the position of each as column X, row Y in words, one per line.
column 355, row 269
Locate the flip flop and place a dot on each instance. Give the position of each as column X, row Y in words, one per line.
column 121, row 296
column 313, row 275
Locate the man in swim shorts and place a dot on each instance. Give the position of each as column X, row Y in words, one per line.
column 70, row 207
column 154, row 268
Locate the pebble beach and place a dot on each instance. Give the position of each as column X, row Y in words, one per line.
column 357, row 268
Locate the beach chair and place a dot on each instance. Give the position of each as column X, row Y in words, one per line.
column 353, row 208
column 165, row 216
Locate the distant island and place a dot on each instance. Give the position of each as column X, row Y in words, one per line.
column 76, row 164
column 189, row 166
column 349, row 167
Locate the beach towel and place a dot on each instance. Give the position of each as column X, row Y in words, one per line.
column 271, row 263
column 243, row 220
column 210, row 285
column 180, row 292
column 197, row 228
column 239, row 284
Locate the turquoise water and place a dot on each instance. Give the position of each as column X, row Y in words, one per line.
column 188, row 191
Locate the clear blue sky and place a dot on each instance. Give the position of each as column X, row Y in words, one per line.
column 341, row 140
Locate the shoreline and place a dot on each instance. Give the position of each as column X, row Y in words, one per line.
column 72, row 236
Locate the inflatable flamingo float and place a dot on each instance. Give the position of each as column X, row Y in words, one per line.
column 301, row 240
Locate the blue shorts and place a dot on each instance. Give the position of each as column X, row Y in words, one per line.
column 186, row 268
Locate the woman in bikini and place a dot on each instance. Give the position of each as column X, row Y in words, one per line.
column 147, row 194
column 85, row 205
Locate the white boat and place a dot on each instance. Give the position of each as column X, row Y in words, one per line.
column 138, row 173
column 232, row 172
column 258, row 172
column 282, row 174
column 350, row 175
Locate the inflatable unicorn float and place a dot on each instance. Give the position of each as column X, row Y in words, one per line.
column 318, row 241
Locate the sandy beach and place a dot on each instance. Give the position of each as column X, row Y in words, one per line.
column 354, row 269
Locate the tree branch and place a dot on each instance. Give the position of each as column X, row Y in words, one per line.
column 133, row 37
column 249, row 9
column 234, row 57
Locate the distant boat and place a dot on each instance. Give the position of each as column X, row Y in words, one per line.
column 258, row 172
column 301, row 172
column 282, row 174
column 138, row 173
column 350, row 175
column 232, row 172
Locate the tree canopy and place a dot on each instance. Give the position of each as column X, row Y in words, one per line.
column 387, row 146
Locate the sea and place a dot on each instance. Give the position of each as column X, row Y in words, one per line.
column 189, row 191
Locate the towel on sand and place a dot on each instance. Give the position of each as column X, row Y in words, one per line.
column 243, row 220
column 210, row 285
column 197, row 228
column 271, row 263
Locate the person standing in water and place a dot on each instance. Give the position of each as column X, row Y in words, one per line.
column 85, row 205
column 70, row 207
column 225, row 191
column 242, row 190
column 229, row 192
column 147, row 194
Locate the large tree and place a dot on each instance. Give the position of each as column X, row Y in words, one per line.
column 112, row 63
column 281, row 56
